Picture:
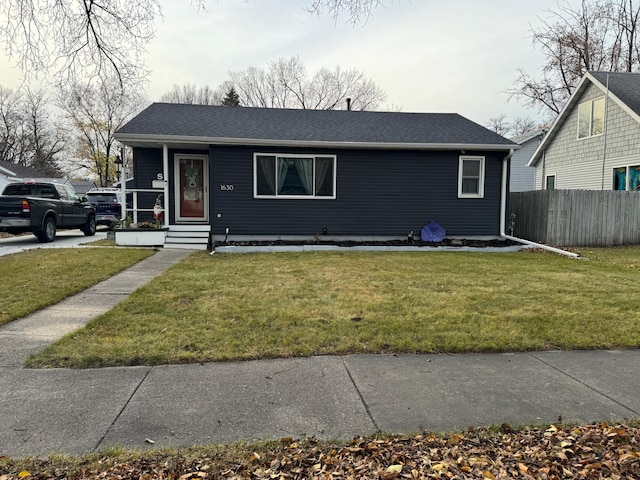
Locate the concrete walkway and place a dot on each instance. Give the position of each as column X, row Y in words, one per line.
column 80, row 411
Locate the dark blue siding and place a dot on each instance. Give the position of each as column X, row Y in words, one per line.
column 379, row 193
column 147, row 163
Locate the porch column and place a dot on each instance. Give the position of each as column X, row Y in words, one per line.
column 165, row 176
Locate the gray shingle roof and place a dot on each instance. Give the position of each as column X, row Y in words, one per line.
column 525, row 137
column 213, row 123
column 21, row 171
column 624, row 85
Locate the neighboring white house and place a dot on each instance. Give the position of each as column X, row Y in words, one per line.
column 594, row 144
column 6, row 176
column 523, row 177
column 11, row 172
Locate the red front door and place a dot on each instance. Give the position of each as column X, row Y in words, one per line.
column 191, row 187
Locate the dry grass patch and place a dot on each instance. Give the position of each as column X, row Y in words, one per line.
column 235, row 307
column 34, row 279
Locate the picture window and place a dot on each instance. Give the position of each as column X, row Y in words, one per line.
column 294, row 176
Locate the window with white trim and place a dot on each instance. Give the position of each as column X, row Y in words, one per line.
column 591, row 118
column 550, row 183
column 471, row 177
column 294, row 176
column 626, row 178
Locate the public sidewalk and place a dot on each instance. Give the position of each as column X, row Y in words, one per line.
column 81, row 411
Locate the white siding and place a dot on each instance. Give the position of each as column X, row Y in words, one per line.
column 5, row 180
column 522, row 178
column 578, row 164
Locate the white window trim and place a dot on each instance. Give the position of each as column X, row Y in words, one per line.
column 626, row 166
column 591, row 102
column 480, row 193
column 294, row 155
column 546, row 181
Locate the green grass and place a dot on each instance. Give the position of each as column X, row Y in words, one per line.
column 231, row 307
column 34, row 279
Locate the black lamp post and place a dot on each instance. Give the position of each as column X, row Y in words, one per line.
column 118, row 163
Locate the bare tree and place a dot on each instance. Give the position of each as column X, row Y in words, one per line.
column 11, row 125
column 79, row 38
column 190, row 94
column 596, row 35
column 286, row 84
column 28, row 135
column 358, row 11
column 46, row 138
column 518, row 126
column 96, row 113
column 498, row 124
column 69, row 39
column 522, row 125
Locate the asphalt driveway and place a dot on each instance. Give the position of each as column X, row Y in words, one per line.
column 64, row 239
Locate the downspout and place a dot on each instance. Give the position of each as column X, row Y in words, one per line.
column 543, row 180
column 165, row 176
column 604, row 141
column 503, row 214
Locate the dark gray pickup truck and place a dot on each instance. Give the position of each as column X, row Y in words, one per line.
column 43, row 208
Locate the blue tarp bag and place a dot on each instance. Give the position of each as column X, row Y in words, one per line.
column 432, row 232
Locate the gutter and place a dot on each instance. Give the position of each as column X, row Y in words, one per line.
column 8, row 172
column 138, row 139
column 503, row 213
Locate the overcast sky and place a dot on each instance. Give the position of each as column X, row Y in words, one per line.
column 427, row 55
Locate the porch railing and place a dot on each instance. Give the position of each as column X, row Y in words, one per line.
column 134, row 204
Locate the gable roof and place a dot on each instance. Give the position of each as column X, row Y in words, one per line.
column 203, row 125
column 19, row 171
column 525, row 137
column 623, row 88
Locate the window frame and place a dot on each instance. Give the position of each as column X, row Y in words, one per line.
column 627, row 177
column 480, row 177
column 590, row 104
column 546, row 182
column 314, row 156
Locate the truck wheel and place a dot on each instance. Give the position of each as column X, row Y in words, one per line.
column 90, row 228
column 48, row 232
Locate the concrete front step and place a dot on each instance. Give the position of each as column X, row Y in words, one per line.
column 188, row 237
column 173, row 234
column 203, row 240
column 189, row 228
column 186, row 246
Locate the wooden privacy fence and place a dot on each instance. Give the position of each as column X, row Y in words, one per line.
column 576, row 217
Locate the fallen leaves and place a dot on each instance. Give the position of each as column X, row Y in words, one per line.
column 553, row 453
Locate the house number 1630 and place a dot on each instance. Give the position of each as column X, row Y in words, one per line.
column 226, row 188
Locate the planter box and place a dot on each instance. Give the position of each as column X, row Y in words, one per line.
column 140, row 237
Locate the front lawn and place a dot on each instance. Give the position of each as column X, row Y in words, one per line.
column 233, row 307
column 34, row 279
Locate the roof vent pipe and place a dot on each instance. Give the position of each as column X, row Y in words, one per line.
column 348, row 104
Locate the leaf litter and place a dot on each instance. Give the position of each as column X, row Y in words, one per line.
column 596, row 451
